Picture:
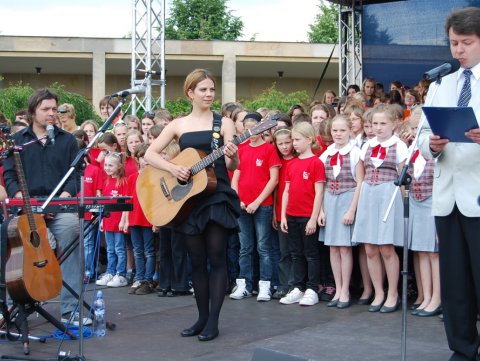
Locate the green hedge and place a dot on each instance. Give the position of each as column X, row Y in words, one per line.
column 15, row 98
column 271, row 98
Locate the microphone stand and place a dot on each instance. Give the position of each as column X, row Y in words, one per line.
column 405, row 179
column 81, row 213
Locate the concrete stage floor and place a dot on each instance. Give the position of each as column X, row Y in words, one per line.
column 148, row 328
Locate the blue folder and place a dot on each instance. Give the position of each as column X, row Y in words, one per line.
column 451, row 122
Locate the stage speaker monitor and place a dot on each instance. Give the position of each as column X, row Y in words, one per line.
column 264, row 354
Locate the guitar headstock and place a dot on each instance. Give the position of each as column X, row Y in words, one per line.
column 263, row 126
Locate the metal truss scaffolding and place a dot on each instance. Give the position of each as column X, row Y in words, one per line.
column 148, row 54
column 350, row 43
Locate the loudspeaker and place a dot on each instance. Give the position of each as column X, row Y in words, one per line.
column 264, row 354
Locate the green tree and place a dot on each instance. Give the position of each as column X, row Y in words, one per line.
column 325, row 27
column 272, row 98
column 202, row 20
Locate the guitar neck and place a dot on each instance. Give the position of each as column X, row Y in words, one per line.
column 24, row 190
column 217, row 153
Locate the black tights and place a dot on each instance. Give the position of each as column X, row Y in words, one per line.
column 209, row 289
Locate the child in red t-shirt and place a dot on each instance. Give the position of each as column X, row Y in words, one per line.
column 254, row 180
column 301, row 204
column 283, row 141
column 141, row 232
column 93, row 185
column 132, row 140
column 113, row 226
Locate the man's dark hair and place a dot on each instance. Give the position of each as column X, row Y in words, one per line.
column 464, row 21
column 38, row 97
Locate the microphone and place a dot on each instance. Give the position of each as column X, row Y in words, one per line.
column 126, row 92
column 449, row 67
column 154, row 72
column 51, row 134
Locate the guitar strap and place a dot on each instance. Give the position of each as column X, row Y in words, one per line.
column 217, row 126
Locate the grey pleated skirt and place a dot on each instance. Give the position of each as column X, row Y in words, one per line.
column 421, row 226
column 372, row 205
column 335, row 233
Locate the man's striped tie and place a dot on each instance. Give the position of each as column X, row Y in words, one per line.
column 466, row 92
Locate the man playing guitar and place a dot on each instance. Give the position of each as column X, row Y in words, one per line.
column 45, row 162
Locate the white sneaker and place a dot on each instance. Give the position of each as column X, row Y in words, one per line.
column 263, row 291
column 310, row 298
column 240, row 290
column 294, row 296
column 104, row 279
column 118, row 281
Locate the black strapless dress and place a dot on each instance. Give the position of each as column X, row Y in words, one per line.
column 222, row 206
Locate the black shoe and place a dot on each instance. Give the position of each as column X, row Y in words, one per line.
column 343, row 305
column 208, row 337
column 375, row 308
column 416, row 311
column 174, row 293
column 364, row 301
column 415, row 306
column 279, row 294
column 333, row 303
column 386, row 309
column 435, row 312
column 189, row 332
column 162, row 293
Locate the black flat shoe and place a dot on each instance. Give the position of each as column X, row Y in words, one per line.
column 416, row 311
column 189, row 332
column 415, row 306
column 333, row 303
column 364, row 301
column 386, row 309
column 343, row 305
column 375, row 308
column 208, row 337
column 435, row 312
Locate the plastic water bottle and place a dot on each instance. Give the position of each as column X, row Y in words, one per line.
column 99, row 322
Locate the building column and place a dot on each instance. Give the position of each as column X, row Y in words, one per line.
column 229, row 78
column 98, row 78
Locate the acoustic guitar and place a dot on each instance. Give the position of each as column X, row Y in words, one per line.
column 167, row 201
column 32, row 271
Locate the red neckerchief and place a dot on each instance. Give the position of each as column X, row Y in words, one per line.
column 379, row 152
column 336, row 159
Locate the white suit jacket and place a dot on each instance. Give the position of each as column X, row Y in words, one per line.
column 457, row 168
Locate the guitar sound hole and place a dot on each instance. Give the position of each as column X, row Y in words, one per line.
column 184, row 183
column 34, row 239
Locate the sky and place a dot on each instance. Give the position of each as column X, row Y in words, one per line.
column 267, row 20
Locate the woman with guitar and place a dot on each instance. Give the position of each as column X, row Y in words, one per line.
column 208, row 225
